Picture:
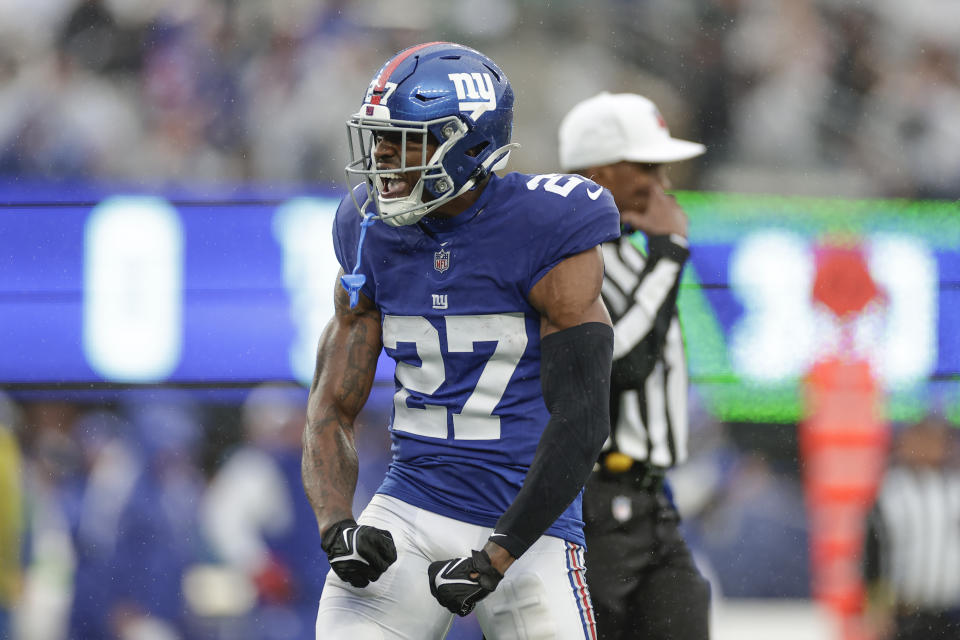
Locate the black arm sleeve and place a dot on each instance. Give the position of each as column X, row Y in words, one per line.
column 575, row 376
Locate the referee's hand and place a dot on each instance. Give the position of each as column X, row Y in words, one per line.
column 661, row 216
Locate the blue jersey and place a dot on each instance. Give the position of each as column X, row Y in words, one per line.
column 468, row 411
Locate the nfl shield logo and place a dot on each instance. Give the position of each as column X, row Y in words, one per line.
column 441, row 260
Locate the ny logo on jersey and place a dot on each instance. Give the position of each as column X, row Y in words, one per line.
column 475, row 91
column 439, row 300
column 441, row 260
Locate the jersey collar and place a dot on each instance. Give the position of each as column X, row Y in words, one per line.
column 436, row 224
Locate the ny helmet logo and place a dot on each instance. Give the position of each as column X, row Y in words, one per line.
column 476, row 93
column 441, row 260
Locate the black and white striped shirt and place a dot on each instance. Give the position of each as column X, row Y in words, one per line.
column 913, row 539
column 648, row 404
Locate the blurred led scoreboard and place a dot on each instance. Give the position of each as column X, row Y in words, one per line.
column 752, row 327
column 105, row 291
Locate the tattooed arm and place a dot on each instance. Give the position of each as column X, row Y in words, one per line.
column 346, row 364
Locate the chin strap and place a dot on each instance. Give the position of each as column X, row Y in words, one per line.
column 495, row 161
column 354, row 281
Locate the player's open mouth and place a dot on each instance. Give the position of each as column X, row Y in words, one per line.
column 394, row 185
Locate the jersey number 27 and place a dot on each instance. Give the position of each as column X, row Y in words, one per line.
column 475, row 421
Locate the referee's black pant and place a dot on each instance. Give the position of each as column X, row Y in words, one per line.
column 642, row 578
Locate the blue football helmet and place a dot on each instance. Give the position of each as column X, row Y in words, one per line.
column 438, row 92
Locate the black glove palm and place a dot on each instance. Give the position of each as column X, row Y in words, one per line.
column 358, row 554
column 452, row 585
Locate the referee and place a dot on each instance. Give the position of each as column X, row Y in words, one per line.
column 642, row 577
column 912, row 551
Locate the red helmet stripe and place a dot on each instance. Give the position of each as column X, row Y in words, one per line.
column 390, row 68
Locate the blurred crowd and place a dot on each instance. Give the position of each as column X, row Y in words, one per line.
column 160, row 517
column 816, row 97
column 164, row 516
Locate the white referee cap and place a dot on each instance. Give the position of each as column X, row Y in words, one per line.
column 610, row 127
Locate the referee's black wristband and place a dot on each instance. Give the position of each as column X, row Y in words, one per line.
column 663, row 245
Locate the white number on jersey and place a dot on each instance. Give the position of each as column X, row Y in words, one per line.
column 475, row 420
column 551, row 183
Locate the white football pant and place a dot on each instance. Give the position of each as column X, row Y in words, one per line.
column 543, row 595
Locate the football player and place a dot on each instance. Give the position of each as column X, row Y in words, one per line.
column 485, row 290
